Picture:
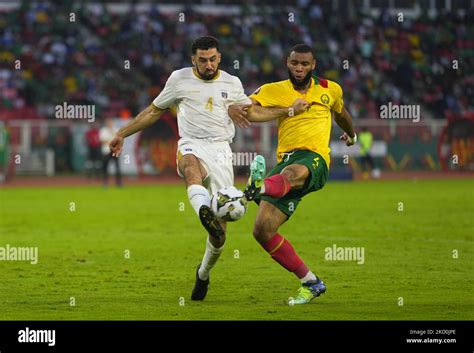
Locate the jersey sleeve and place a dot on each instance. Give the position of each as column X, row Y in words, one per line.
column 168, row 96
column 238, row 94
column 265, row 96
column 337, row 93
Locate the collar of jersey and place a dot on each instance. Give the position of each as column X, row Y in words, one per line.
column 212, row 79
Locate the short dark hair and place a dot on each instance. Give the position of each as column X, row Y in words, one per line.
column 301, row 48
column 205, row 43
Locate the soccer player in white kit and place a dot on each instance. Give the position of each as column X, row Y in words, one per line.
column 202, row 94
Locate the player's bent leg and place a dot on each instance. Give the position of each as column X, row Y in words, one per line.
column 192, row 170
column 194, row 173
column 214, row 248
column 269, row 219
column 296, row 175
column 291, row 177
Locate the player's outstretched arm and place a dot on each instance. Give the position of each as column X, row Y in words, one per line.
column 256, row 113
column 344, row 120
column 144, row 119
column 261, row 114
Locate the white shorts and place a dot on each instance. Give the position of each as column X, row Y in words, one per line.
column 215, row 157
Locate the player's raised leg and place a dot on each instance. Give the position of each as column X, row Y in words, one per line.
column 278, row 185
column 194, row 174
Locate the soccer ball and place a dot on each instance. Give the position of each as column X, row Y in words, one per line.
column 229, row 204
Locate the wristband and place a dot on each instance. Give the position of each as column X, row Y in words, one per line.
column 352, row 140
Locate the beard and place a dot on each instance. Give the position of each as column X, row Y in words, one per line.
column 207, row 75
column 300, row 83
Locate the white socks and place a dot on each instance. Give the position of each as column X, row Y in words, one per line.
column 308, row 277
column 198, row 196
column 209, row 260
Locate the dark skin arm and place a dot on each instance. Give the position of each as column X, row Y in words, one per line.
column 344, row 120
column 242, row 114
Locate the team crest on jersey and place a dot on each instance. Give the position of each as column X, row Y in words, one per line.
column 224, row 94
column 325, row 98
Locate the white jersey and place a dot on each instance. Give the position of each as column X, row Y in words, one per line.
column 202, row 105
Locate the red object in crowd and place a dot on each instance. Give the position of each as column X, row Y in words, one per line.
column 92, row 138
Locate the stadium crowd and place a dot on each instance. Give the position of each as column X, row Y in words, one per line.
column 120, row 61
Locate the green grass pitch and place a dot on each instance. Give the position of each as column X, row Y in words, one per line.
column 410, row 255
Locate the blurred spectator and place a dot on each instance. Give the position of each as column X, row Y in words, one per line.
column 94, row 151
column 366, row 140
column 107, row 133
column 4, row 151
